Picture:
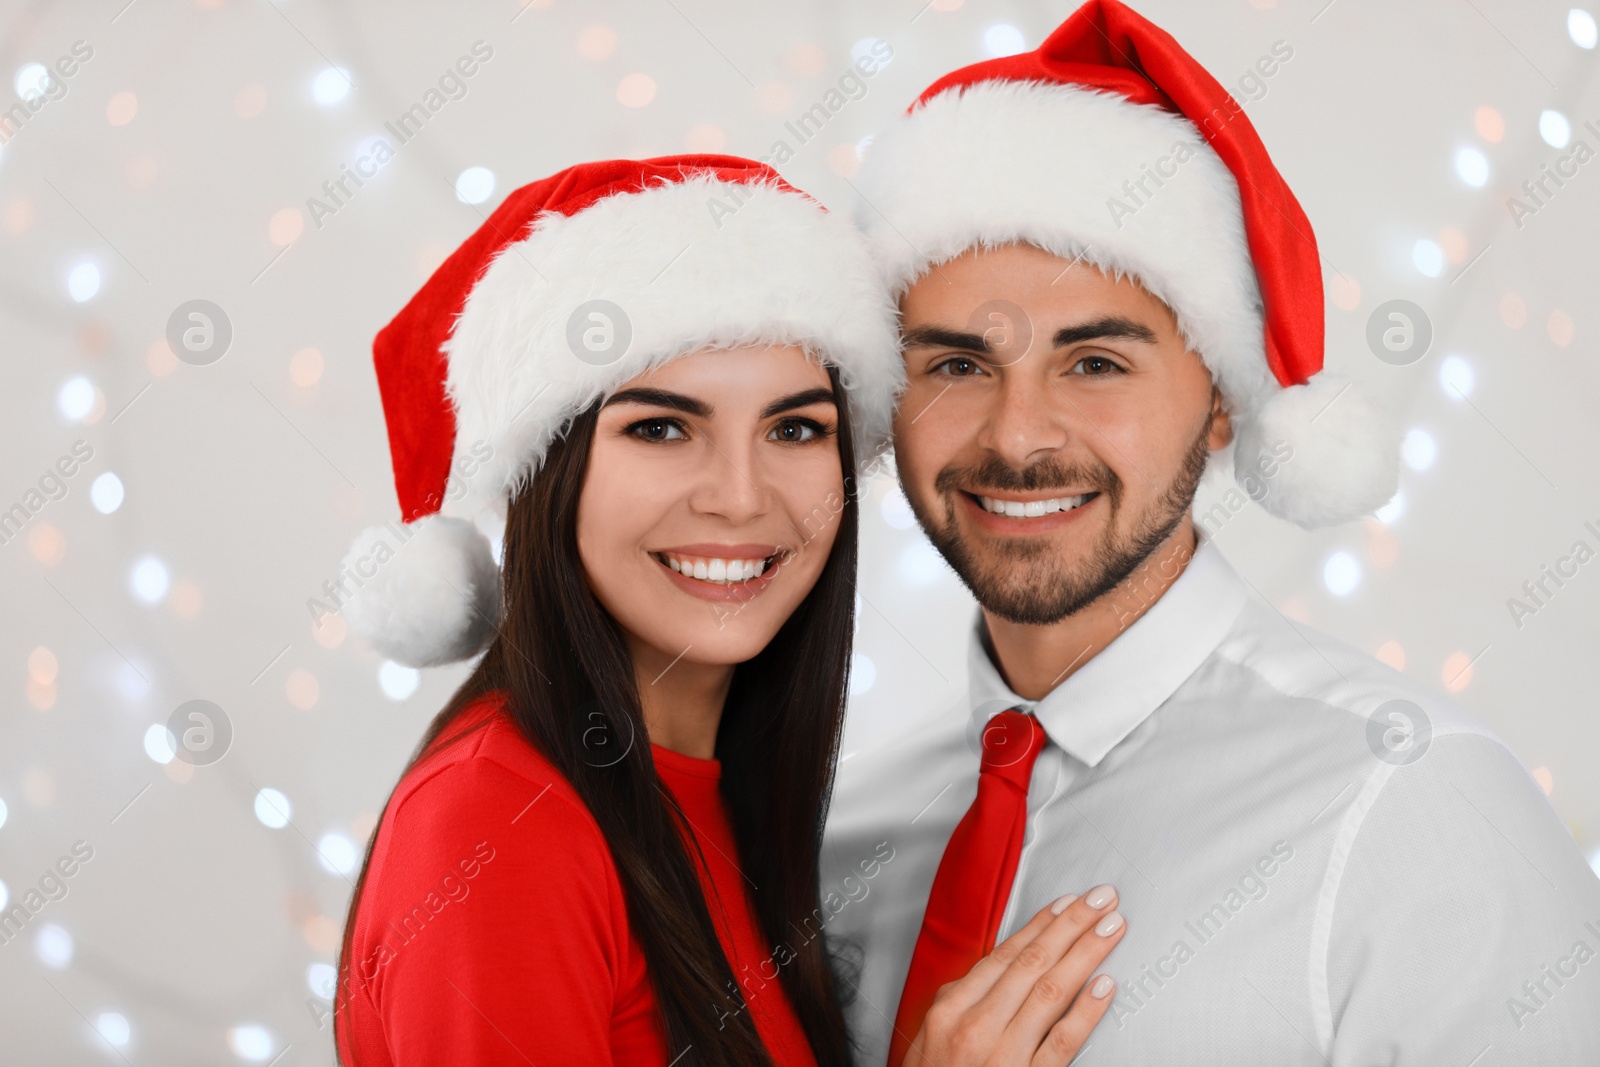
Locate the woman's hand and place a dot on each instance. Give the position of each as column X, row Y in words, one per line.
column 1024, row 1004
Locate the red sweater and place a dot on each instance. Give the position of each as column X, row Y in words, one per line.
column 492, row 928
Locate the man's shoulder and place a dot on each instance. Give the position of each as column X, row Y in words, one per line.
column 1299, row 663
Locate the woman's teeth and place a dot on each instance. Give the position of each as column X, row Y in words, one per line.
column 721, row 571
column 1032, row 509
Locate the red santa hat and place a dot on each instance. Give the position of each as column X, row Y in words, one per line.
column 573, row 286
column 1111, row 144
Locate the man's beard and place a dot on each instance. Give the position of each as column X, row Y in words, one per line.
column 1020, row 579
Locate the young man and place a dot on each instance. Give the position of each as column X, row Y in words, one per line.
column 1104, row 282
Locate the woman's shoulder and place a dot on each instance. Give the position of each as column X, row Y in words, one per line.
column 484, row 780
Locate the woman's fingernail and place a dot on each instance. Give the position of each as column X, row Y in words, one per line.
column 1101, row 987
column 1100, row 896
column 1061, row 903
column 1109, row 925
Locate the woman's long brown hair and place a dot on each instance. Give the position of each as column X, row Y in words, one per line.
column 562, row 661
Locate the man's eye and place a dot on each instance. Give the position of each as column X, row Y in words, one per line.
column 658, row 430
column 960, row 367
column 1094, row 366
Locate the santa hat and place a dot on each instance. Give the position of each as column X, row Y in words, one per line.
column 573, row 286
column 1111, row 144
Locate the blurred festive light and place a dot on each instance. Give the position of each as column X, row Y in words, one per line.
column 329, row 631
column 1456, row 377
column 113, row 1026
column 83, row 282
column 1341, row 574
column 1456, row 674
column 159, row 744
column 46, row 543
column 1472, row 167
column 337, row 853
column 475, row 185
column 1345, row 292
column 186, row 599
column 132, row 685
column 1594, row 861
column 251, row 1041
column 331, row 85
column 273, row 809
column 106, row 493
column 4, row 812
column 862, row 146
column 1554, row 128
column 149, row 580
column 249, row 101
column 38, row 788
column 42, row 665
column 636, row 90
column 1546, row 779
column 302, row 689
column 597, row 42
column 1428, row 257
column 806, row 60
column 870, row 48
column 305, row 367
column 1004, row 39
column 53, row 946
column 920, row 564
column 1561, row 328
column 323, row 980
column 122, row 108
column 1455, row 246
column 1390, row 513
column 1391, row 654
column 1513, row 310
column 285, row 226
column 1581, row 28
column 897, row 510
column 863, row 673
column 397, row 681
column 1419, row 450
column 5, row 896
column 1490, row 124
column 705, row 137
column 75, row 398
column 32, row 80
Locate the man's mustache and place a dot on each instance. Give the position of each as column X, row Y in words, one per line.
column 995, row 473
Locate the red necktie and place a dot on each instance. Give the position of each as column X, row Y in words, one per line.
column 974, row 878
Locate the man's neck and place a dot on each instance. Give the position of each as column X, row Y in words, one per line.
column 1035, row 659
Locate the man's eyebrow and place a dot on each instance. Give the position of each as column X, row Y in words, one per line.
column 1107, row 327
column 819, row 395
column 662, row 398
column 939, row 337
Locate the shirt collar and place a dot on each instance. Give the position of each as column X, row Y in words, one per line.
column 1104, row 700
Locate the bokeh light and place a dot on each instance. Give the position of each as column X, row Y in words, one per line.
column 1419, row 449
column 331, row 85
column 1554, row 129
column 475, row 185
column 398, row 681
column 1341, row 574
column 273, row 809
column 149, row 580
column 337, row 853
column 1004, row 39
column 1472, row 167
column 106, row 493
column 1456, row 377
column 83, row 282
column 1581, row 28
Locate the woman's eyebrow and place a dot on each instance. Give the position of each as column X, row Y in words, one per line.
column 802, row 399
column 662, row 398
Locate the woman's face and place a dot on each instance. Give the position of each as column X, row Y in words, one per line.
column 711, row 502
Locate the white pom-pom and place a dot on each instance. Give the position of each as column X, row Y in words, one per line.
column 1318, row 454
column 429, row 591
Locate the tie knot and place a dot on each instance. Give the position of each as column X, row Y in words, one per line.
column 1011, row 741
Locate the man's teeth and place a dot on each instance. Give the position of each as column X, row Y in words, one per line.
column 1032, row 509
column 708, row 569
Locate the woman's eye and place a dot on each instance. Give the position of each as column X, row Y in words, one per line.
column 1093, row 366
column 795, row 431
column 658, row 429
column 960, row 367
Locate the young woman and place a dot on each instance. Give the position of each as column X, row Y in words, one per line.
column 606, row 847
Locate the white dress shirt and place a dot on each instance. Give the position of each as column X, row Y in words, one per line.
column 1307, row 878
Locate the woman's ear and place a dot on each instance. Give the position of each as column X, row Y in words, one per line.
column 1221, row 435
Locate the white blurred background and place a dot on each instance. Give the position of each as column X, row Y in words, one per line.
column 175, row 163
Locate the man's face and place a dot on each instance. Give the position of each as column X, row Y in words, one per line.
column 1054, row 429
